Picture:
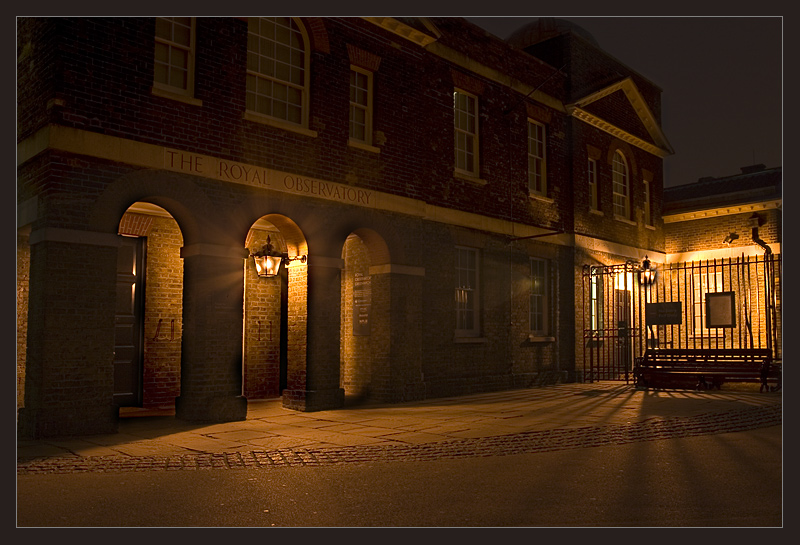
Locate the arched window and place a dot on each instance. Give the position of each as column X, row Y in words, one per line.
column 621, row 186
column 277, row 69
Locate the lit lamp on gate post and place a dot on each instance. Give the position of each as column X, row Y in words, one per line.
column 268, row 260
column 647, row 273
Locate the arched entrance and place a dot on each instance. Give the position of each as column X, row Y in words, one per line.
column 149, row 310
column 274, row 340
column 365, row 319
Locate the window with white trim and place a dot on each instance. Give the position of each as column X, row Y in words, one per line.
column 621, row 186
column 466, row 292
column 703, row 281
column 592, row 175
column 596, row 301
column 277, row 69
column 465, row 115
column 540, row 297
column 537, row 171
column 360, row 105
column 173, row 69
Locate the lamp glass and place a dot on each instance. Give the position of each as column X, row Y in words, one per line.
column 267, row 265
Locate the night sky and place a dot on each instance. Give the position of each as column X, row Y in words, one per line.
column 721, row 79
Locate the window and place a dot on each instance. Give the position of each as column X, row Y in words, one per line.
column 703, row 281
column 466, row 264
column 277, row 69
column 648, row 210
column 174, row 55
column 539, row 297
column 621, row 186
column 360, row 105
column 596, row 310
column 592, row 174
column 537, row 181
column 465, row 114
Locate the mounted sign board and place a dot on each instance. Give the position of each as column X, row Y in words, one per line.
column 720, row 309
column 362, row 303
column 663, row 313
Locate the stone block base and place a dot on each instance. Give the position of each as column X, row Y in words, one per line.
column 211, row 409
column 313, row 400
column 67, row 421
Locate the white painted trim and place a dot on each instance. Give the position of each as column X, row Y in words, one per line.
column 723, row 211
column 595, row 244
column 721, row 253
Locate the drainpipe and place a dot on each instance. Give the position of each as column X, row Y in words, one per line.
column 768, row 279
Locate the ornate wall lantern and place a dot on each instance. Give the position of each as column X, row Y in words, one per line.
column 647, row 273
column 268, row 260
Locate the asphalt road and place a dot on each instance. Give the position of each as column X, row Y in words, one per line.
column 717, row 480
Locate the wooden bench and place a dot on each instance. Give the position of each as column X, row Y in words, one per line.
column 705, row 368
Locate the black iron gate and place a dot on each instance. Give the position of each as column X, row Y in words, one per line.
column 719, row 303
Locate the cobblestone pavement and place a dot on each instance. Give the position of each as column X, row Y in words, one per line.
column 754, row 412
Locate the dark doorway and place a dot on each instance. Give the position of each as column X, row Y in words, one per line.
column 128, row 323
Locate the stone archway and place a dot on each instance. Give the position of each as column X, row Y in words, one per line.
column 365, row 318
column 275, row 312
column 149, row 315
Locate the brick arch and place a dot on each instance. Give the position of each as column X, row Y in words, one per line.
column 317, row 34
column 377, row 248
column 175, row 193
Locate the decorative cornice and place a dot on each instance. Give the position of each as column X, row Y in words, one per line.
column 662, row 148
column 403, row 30
column 722, row 211
column 613, row 130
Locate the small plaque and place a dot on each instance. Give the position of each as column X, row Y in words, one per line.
column 668, row 313
column 720, row 309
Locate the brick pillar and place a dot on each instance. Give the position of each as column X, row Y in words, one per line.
column 397, row 332
column 211, row 349
column 313, row 382
column 69, row 382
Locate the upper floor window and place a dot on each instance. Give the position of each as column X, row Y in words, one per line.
column 277, row 69
column 466, row 275
column 621, row 186
column 648, row 207
column 360, row 105
column 537, row 173
column 465, row 114
column 539, row 297
column 174, row 55
column 592, row 175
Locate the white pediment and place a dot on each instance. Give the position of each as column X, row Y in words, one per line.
column 660, row 145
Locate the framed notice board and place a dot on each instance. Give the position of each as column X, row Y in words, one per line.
column 720, row 309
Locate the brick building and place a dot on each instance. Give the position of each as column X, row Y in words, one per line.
column 724, row 235
column 435, row 193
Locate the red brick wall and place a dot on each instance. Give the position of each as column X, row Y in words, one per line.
column 163, row 318
column 261, row 376
column 23, row 285
column 709, row 233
